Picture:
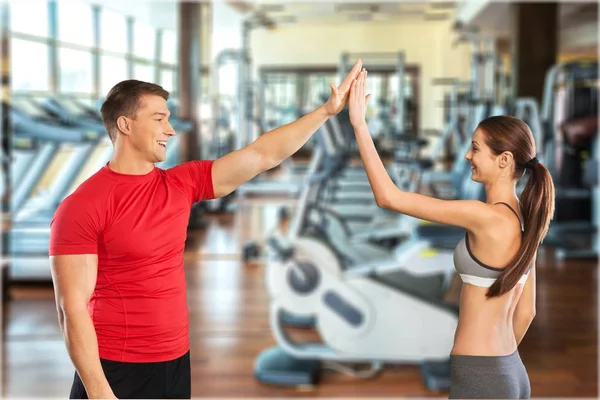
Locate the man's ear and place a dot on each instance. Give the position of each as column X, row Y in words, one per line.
column 124, row 125
column 505, row 159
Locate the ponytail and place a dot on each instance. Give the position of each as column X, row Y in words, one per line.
column 537, row 207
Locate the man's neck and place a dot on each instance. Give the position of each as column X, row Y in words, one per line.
column 128, row 162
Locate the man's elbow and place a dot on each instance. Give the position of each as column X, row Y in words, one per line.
column 266, row 159
column 270, row 163
column 71, row 308
column 61, row 318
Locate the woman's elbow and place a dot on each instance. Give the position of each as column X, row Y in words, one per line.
column 382, row 202
column 532, row 314
column 526, row 315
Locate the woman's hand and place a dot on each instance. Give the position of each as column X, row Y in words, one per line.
column 357, row 103
column 339, row 95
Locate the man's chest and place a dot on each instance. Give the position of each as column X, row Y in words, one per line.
column 148, row 225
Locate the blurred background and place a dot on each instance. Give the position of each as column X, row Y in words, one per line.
column 237, row 69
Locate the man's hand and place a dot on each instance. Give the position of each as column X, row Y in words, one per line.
column 106, row 394
column 339, row 95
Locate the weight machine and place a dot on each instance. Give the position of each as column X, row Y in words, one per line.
column 569, row 149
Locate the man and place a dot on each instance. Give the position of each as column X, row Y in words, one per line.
column 117, row 244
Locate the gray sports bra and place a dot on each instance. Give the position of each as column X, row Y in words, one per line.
column 473, row 271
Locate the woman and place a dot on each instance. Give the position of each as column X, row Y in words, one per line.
column 496, row 257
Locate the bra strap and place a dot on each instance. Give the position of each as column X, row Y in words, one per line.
column 514, row 212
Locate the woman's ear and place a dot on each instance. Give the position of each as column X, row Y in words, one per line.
column 505, row 159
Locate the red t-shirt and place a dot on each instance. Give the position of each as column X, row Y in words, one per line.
column 137, row 224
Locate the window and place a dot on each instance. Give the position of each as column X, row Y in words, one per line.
column 75, row 23
column 28, row 74
column 113, row 31
column 29, row 17
column 167, row 80
column 393, row 85
column 112, row 71
column 144, row 41
column 169, row 48
column 281, row 89
column 408, row 87
column 228, row 78
column 374, row 87
column 143, row 72
column 75, row 68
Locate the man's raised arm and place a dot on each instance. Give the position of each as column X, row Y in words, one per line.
column 271, row 148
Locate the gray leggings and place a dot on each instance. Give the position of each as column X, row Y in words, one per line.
column 488, row 377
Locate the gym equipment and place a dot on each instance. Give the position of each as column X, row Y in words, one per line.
column 349, row 196
column 31, row 120
column 464, row 97
column 393, row 227
column 247, row 117
column 223, row 138
column 31, row 216
column 253, row 249
column 378, row 59
column 398, row 103
column 453, row 134
column 363, row 313
column 570, row 151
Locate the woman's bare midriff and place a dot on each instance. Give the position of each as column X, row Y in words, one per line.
column 485, row 326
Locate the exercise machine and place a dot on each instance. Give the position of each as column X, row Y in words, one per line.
column 363, row 314
column 570, row 151
column 31, row 216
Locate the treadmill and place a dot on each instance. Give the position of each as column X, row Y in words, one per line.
column 70, row 110
column 288, row 184
column 31, row 216
column 85, row 135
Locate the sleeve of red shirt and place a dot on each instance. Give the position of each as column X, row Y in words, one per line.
column 75, row 228
column 196, row 177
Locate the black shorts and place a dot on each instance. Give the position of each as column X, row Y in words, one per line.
column 167, row 380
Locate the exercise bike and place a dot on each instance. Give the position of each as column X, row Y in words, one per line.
column 363, row 312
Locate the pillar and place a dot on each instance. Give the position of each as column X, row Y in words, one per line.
column 535, row 46
column 190, row 17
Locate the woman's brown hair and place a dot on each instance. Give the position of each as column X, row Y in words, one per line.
column 509, row 134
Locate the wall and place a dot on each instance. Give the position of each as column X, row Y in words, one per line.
column 426, row 44
column 581, row 38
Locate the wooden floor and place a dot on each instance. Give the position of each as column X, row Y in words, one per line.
column 229, row 328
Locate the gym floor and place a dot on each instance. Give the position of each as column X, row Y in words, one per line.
column 229, row 327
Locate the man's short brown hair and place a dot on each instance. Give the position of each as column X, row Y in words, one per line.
column 123, row 99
